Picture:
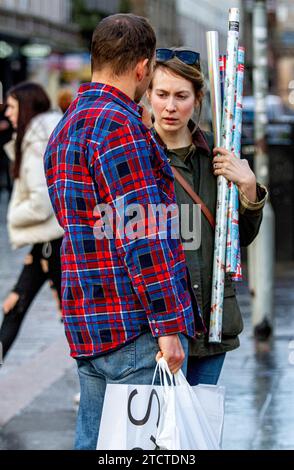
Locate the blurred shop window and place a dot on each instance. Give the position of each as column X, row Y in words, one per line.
column 23, row 5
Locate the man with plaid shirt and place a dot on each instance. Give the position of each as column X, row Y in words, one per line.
column 125, row 300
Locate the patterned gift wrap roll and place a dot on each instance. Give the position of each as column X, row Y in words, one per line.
column 233, row 260
column 219, row 263
column 222, row 72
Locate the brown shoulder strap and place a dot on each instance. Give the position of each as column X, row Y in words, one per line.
column 197, row 199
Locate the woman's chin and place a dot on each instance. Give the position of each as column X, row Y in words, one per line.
column 170, row 126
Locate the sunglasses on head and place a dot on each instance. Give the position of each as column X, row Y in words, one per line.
column 188, row 57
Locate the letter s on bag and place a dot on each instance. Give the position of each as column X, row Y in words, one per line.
column 141, row 422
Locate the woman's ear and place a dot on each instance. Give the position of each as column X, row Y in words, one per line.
column 148, row 95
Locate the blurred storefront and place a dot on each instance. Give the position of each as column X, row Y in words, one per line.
column 280, row 128
column 285, row 51
column 33, row 34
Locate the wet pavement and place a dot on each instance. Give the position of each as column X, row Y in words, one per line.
column 38, row 380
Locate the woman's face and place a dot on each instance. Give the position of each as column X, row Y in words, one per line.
column 12, row 111
column 172, row 99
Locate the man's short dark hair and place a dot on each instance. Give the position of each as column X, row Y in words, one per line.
column 121, row 41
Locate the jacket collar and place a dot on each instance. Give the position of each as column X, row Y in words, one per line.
column 198, row 137
column 41, row 127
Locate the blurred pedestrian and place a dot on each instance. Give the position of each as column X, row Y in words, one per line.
column 5, row 136
column 175, row 94
column 125, row 300
column 31, row 220
column 65, row 97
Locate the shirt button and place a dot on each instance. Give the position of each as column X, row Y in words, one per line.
column 156, row 330
column 196, row 286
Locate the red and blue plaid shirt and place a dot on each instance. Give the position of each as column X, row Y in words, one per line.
column 113, row 289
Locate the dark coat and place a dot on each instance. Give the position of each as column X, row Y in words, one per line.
column 197, row 170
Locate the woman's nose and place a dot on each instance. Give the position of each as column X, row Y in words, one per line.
column 170, row 105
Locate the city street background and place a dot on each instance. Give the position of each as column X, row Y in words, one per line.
column 48, row 43
column 39, row 380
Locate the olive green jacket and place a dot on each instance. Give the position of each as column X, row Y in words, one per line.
column 197, row 169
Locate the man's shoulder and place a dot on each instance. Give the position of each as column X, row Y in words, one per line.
column 115, row 122
column 95, row 123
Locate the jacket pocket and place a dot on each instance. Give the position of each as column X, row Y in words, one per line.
column 232, row 317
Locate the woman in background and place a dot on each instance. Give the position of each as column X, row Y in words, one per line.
column 5, row 136
column 30, row 219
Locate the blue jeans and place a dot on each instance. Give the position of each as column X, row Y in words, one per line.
column 205, row 370
column 131, row 364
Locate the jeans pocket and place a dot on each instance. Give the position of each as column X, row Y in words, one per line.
column 117, row 364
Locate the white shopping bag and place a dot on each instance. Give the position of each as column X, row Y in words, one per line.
column 133, row 415
column 191, row 418
column 212, row 400
column 130, row 417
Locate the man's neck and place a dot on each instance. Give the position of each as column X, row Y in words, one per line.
column 124, row 83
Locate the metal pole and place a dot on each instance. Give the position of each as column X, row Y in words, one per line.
column 261, row 253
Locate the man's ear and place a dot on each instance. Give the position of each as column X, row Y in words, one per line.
column 141, row 67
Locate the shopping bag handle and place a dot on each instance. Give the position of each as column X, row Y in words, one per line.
column 180, row 378
column 164, row 373
column 162, row 368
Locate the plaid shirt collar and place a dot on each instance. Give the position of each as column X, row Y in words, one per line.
column 111, row 93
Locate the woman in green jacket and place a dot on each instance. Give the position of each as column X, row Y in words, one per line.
column 175, row 93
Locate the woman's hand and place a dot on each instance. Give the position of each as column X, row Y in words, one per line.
column 234, row 169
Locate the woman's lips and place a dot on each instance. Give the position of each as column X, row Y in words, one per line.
column 170, row 120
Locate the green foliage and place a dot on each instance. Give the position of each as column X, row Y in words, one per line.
column 86, row 19
column 125, row 6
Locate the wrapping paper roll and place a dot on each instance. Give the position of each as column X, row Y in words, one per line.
column 222, row 71
column 219, row 264
column 215, row 84
column 233, row 257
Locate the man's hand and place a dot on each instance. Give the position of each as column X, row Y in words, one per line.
column 172, row 350
column 236, row 170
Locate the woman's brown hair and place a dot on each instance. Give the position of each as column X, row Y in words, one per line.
column 32, row 100
column 192, row 73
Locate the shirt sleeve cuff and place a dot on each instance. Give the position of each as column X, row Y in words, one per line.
column 171, row 327
column 245, row 204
